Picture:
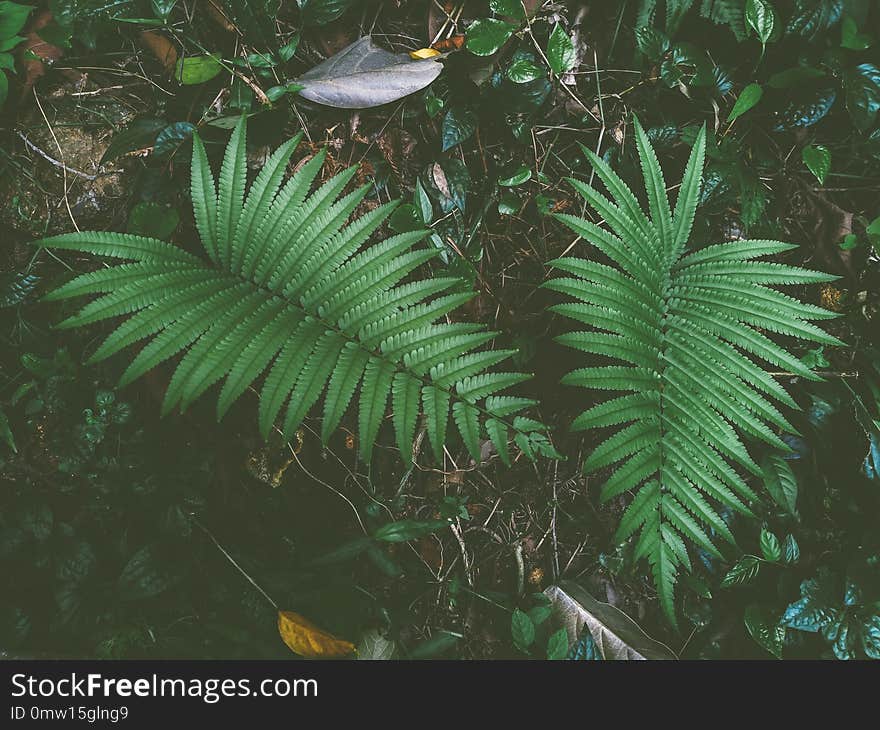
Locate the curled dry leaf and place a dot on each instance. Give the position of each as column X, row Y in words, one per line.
column 615, row 634
column 364, row 75
column 306, row 639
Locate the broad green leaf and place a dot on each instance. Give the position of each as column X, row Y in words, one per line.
column 557, row 645
column 486, row 36
column 13, row 16
column 405, row 218
column 761, row 19
column 507, row 8
column 851, row 38
column 791, row 551
column 523, row 174
column 770, row 547
column 458, row 125
column 523, row 71
column 747, row 99
column 153, row 220
column 197, row 69
column 138, row 135
column 321, row 12
column 792, row 77
column 406, row 530
column 172, row 137
column 560, row 51
column 767, row 632
column 817, row 158
column 423, row 203
column 522, row 629
column 781, row 482
column 863, row 95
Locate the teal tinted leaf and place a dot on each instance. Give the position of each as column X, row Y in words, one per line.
column 817, row 158
column 560, row 51
column 818, row 606
column 172, row 137
column 871, row 637
column 458, row 126
column 760, row 18
column 806, row 109
column 747, row 99
column 153, row 220
column 486, row 36
column 197, row 69
column 812, row 17
column 138, row 135
column 768, row 632
column 16, row 287
column 522, row 630
column 770, row 547
column 523, row 71
column 744, row 571
column 863, row 95
column 557, row 645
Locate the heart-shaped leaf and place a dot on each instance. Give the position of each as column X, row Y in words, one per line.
column 817, row 158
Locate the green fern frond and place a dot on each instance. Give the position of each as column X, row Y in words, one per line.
column 686, row 327
column 288, row 288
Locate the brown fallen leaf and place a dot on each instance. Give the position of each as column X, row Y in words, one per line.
column 306, row 639
column 35, row 68
column 215, row 12
column 162, row 48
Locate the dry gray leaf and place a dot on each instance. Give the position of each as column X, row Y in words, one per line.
column 363, row 75
column 615, row 634
column 374, row 646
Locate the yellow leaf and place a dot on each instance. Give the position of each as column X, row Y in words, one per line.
column 306, row 639
column 424, row 53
